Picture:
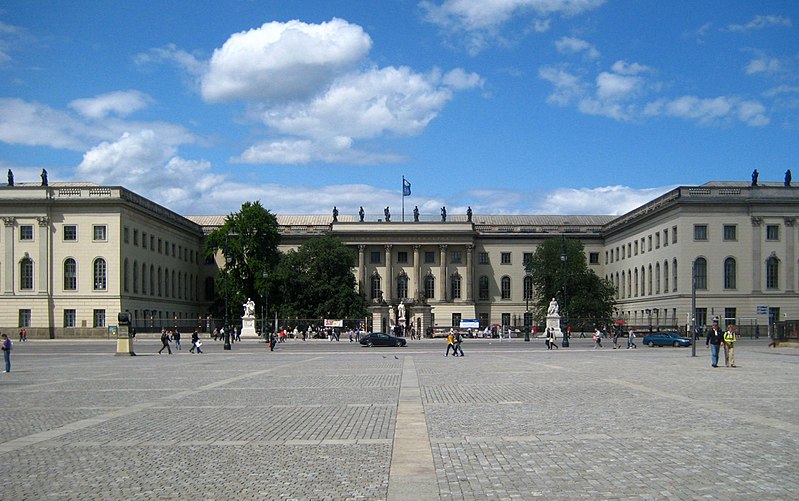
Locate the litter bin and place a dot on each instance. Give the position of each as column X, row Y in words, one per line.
column 527, row 335
column 565, row 342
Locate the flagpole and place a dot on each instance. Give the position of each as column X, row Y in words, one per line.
column 403, row 199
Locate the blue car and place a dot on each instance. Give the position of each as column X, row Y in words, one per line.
column 666, row 339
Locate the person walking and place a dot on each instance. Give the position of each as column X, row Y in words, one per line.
column 597, row 339
column 729, row 346
column 6, row 346
column 164, row 342
column 714, row 339
column 176, row 339
column 552, row 339
column 450, row 343
column 458, row 341
column 195, row 342
column 631, row 340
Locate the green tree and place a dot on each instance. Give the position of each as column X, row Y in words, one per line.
column 247, row 242
column 581, row 294
column 317, row 281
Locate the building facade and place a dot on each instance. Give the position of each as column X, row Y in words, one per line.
column 76, row 254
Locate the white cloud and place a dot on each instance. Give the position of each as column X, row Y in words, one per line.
column 568, row 87
column 170, row 53
column 35, row 124
column 279, row 61
column 121, row 103
column 480, row 20
column 610, row 200
column 711, row 111
column 761, row 22
column 615, row 87
column 763, row 65
column 571, row 45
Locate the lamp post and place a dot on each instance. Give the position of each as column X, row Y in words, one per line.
column 563, row 259
column 264, row 309
column 693, row 308
column 228, row 260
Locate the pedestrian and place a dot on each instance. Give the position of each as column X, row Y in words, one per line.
column 195, row 342
column 713, row 340
column 176, row 339
column 631, row 340
column 6, row 346
column 450, row 343
column 272, row 341
column 616, row 334
column 729, row 346
column 23, row 335
column 552, row 339
column 597, row 339
column 772, row 335
column 458, row 341
column 164, row 342
column 237, row 333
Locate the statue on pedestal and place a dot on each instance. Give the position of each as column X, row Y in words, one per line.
column 249, row 308
column 553, row 308
column 335, row 214
column 361, row 213
column 387, row 213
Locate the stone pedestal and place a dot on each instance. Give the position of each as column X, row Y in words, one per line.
column 380, row 318
column 124, row 341
column 553, row 324
column 248, row 326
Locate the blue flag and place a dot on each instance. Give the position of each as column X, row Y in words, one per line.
column 406, row 188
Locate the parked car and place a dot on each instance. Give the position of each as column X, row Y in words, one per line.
column 382, row 339
column 666, row 338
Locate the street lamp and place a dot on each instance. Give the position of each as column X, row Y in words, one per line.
column 264, row 309
column 228, row 260
column 563, row 259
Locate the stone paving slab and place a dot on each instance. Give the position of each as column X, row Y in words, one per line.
column 330, row 421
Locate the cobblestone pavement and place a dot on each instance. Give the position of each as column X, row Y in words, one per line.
column 319, row 421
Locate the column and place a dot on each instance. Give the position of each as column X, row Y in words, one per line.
column 43, row 263
column 757, row 261
column 442, row 287
column 362, row 270
column 417, row 270
column 388, row 279
column 469, row 273
column 8, row 223
column 790, row 254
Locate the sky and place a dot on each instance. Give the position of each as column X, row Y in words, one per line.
column 504, row 106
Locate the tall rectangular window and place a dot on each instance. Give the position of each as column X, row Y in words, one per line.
column 374, row 257
column 772, row 232
column 402, row 257
column 70, row 233
column 70, row 275
column 99, row 232
column 505, row 258
column 69, row 318
column 98, row 318
column 455, row 257
column 674, row 234
column 665, row 238
column 456, row 320
column 24, row 318
column 126, row 234
column 593, row 258
column 429, row 257
column 26, row 232
column 135, row 237
column 730, row 315
column 26, row 274
column 730, row 233
column 482, row 258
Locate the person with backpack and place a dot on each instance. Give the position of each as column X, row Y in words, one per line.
column 165, row 342
column 6, row 346
column 458, row 341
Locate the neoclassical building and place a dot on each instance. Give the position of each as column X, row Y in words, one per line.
column 76, row 254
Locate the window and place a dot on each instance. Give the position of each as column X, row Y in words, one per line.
column 456, row 320
column 125, row 276
column 136, row 237
column 649, row 281
column 772, row 232
column 99, row 274
column 26, row 232
column 135, row 277
column 482, row 288
column 700, row 232
column 402, row 257
column 430, row 286
column 593, row 258
column 674, row 234
column 70, row 233
column 152, row 242
column 173, row 250
column 144, row 239
column 665, row 238
column 24, row 318
column 456, row 257
column 649, row 243
column 730, row 233
column 665, row 276
column 126, row 235
column 527, row 288
column 657, row 240
column 657, row 278
column 505, row 287
column 402, row 286
column 482, row 258
column 429, row 257
column 455, row 286
column 160, row 246
column 674, row 275
column 26, row 274
column 730, row 315
column 772, row 273
column 376, row 290
column 69, row 318
column 729, row 273
column 160, row 283
column 70, row 275
column 374, row 257
column 527, row 257
column 99, row 318
column 700, row 273
column 701, row 316
column 505, row 258
column 99, row 232
column 506, row 319
column 144, row 278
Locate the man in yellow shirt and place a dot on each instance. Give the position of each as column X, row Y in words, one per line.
column 729, row 346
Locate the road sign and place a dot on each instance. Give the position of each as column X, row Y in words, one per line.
column 762, row 310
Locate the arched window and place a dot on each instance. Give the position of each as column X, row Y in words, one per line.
column 483, row 288
column 126, row 276
column 630, row 283
column 376, row 292
column 152, row 280
column 700, row 272
column 160, row 282
column 643, row 281
column 455, row 289
column 527, row 287
column 26, row 274
column 402, row 286
column 180, row 286
column 657, row 278
column 144, row 278
column 649, row 281
column 166, row 282
column 135, row 277
column 730, row 273
column 636, row 283
column 505, row 287
column 172, row 288
column 674, row 275
column 70, row 274
column 772, row 273
column 665, row 276
column 623, row 284
column 99, row 274
column 430, row 286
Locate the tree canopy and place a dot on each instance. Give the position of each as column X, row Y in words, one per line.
column 581, row 294
column 248, row 241
column 317, row 281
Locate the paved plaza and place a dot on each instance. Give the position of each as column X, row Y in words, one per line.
column 322, row 420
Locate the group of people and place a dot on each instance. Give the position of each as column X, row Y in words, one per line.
column 174, row 336
column 219, row 334
column 454, row 341
column 716, row 339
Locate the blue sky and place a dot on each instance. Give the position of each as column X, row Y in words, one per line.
column 507, row 106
